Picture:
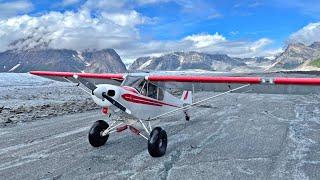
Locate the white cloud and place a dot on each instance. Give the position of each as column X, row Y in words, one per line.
column 307, row 35
column 13, row 8
column 239, row 48
column 204, row 40
column 257, row 45
column 208, row 43
column 111, row 24
column 74, row 30
column 129, row 19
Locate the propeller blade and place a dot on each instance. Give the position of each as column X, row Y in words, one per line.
column 86, row 83
column 116, row 103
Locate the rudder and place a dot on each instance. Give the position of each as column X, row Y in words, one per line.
column 187, row 97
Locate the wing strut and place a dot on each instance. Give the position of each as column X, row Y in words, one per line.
column 77, row 84
column 197, row 103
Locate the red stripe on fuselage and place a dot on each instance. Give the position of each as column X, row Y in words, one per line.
column 134, row 99
column 131, row 89
column 143, row 100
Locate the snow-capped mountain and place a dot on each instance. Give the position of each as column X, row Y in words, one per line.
column 197, row 60
column 297, row 56
column 24, row 60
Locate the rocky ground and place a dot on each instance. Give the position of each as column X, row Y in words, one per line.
column 238, row 136
column 26, row 98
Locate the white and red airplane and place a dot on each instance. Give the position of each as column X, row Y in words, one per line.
column 144, row 97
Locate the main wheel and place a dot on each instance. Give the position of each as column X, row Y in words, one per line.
column 95, row 138
column 157, row 142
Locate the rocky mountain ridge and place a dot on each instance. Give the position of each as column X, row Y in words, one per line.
column 297, row 56
column 195, row 60
column 99, row 61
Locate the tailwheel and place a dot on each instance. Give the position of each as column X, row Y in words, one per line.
column 95, row 134
column 157, row 142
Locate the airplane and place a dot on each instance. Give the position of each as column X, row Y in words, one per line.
column 140, row 99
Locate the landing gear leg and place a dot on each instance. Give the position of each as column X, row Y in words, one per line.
column 187, row 116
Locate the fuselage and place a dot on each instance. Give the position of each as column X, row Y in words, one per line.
column 143, row 105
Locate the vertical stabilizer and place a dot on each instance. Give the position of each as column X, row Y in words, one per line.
column 187, row 97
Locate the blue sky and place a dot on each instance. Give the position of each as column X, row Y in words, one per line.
column 137, row 28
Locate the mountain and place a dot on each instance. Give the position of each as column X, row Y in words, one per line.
column 298, row 56
column 187, row 60
column 24, row 60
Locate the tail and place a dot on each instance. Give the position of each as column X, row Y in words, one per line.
column 187, row 97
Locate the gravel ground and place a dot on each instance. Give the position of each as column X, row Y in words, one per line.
column 26, row 98
column 239, row 136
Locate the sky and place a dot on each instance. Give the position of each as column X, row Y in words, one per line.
column 136, row 28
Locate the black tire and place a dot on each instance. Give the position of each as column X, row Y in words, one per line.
column 157, row 142
column 95, row 138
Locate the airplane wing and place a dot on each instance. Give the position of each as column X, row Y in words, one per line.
column 269, row 83
column 94, row 78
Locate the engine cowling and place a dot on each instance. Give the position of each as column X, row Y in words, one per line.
column 110, row 90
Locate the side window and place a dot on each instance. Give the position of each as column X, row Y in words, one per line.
column 152, row 91
column 160, row 94
column 142, row 88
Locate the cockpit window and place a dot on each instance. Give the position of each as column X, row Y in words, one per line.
column 144, row 87
column 160, row 94
column 152, row 91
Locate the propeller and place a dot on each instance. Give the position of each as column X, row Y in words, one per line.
column 93, row 87
column 116, row 103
